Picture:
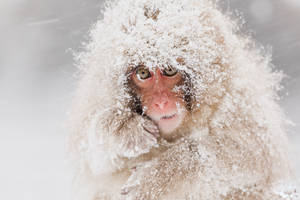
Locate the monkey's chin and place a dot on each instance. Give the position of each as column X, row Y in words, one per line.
column 169, row 123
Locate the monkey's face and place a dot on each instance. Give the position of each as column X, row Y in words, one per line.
column 160, row 102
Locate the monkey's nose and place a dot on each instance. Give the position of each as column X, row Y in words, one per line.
column 162, row 104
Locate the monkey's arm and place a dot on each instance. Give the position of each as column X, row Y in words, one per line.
column 254, row 193
column 155, row 178
column 137, row 136
column 191, row 161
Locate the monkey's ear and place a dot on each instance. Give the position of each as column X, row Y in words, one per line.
column 151, row 13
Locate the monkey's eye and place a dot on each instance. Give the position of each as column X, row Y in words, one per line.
column 169, row 71
column 143, row 73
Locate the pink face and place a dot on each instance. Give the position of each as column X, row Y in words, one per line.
column 164, row 106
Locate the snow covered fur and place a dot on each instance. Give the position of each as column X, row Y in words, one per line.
column 233, row 145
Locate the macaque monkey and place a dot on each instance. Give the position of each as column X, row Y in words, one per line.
column 173, row 104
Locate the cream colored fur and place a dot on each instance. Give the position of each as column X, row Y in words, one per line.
column 233, row 144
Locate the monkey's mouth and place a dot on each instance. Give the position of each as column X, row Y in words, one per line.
column 168, row 117
column 167, row 123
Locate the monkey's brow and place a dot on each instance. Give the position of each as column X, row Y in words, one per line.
column 130, row 70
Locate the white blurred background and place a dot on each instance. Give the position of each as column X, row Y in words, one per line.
column 36, row 83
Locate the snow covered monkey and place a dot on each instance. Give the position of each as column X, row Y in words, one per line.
column 173, row 103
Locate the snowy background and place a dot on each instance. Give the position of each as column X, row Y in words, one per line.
column 36, row 67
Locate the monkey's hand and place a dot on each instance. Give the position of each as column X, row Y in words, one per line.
column 133, row 189
column 159, row 176
column 138, row 136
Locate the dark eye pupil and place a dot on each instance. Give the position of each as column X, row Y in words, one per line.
column 143, row 73
column 169, row 71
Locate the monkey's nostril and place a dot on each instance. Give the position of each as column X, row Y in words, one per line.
column 161, row 104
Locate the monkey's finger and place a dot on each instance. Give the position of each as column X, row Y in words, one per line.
column 154, row 132
column 125, row 190
column 151, row 128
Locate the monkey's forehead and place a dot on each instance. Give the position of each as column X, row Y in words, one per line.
column 185, row 34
